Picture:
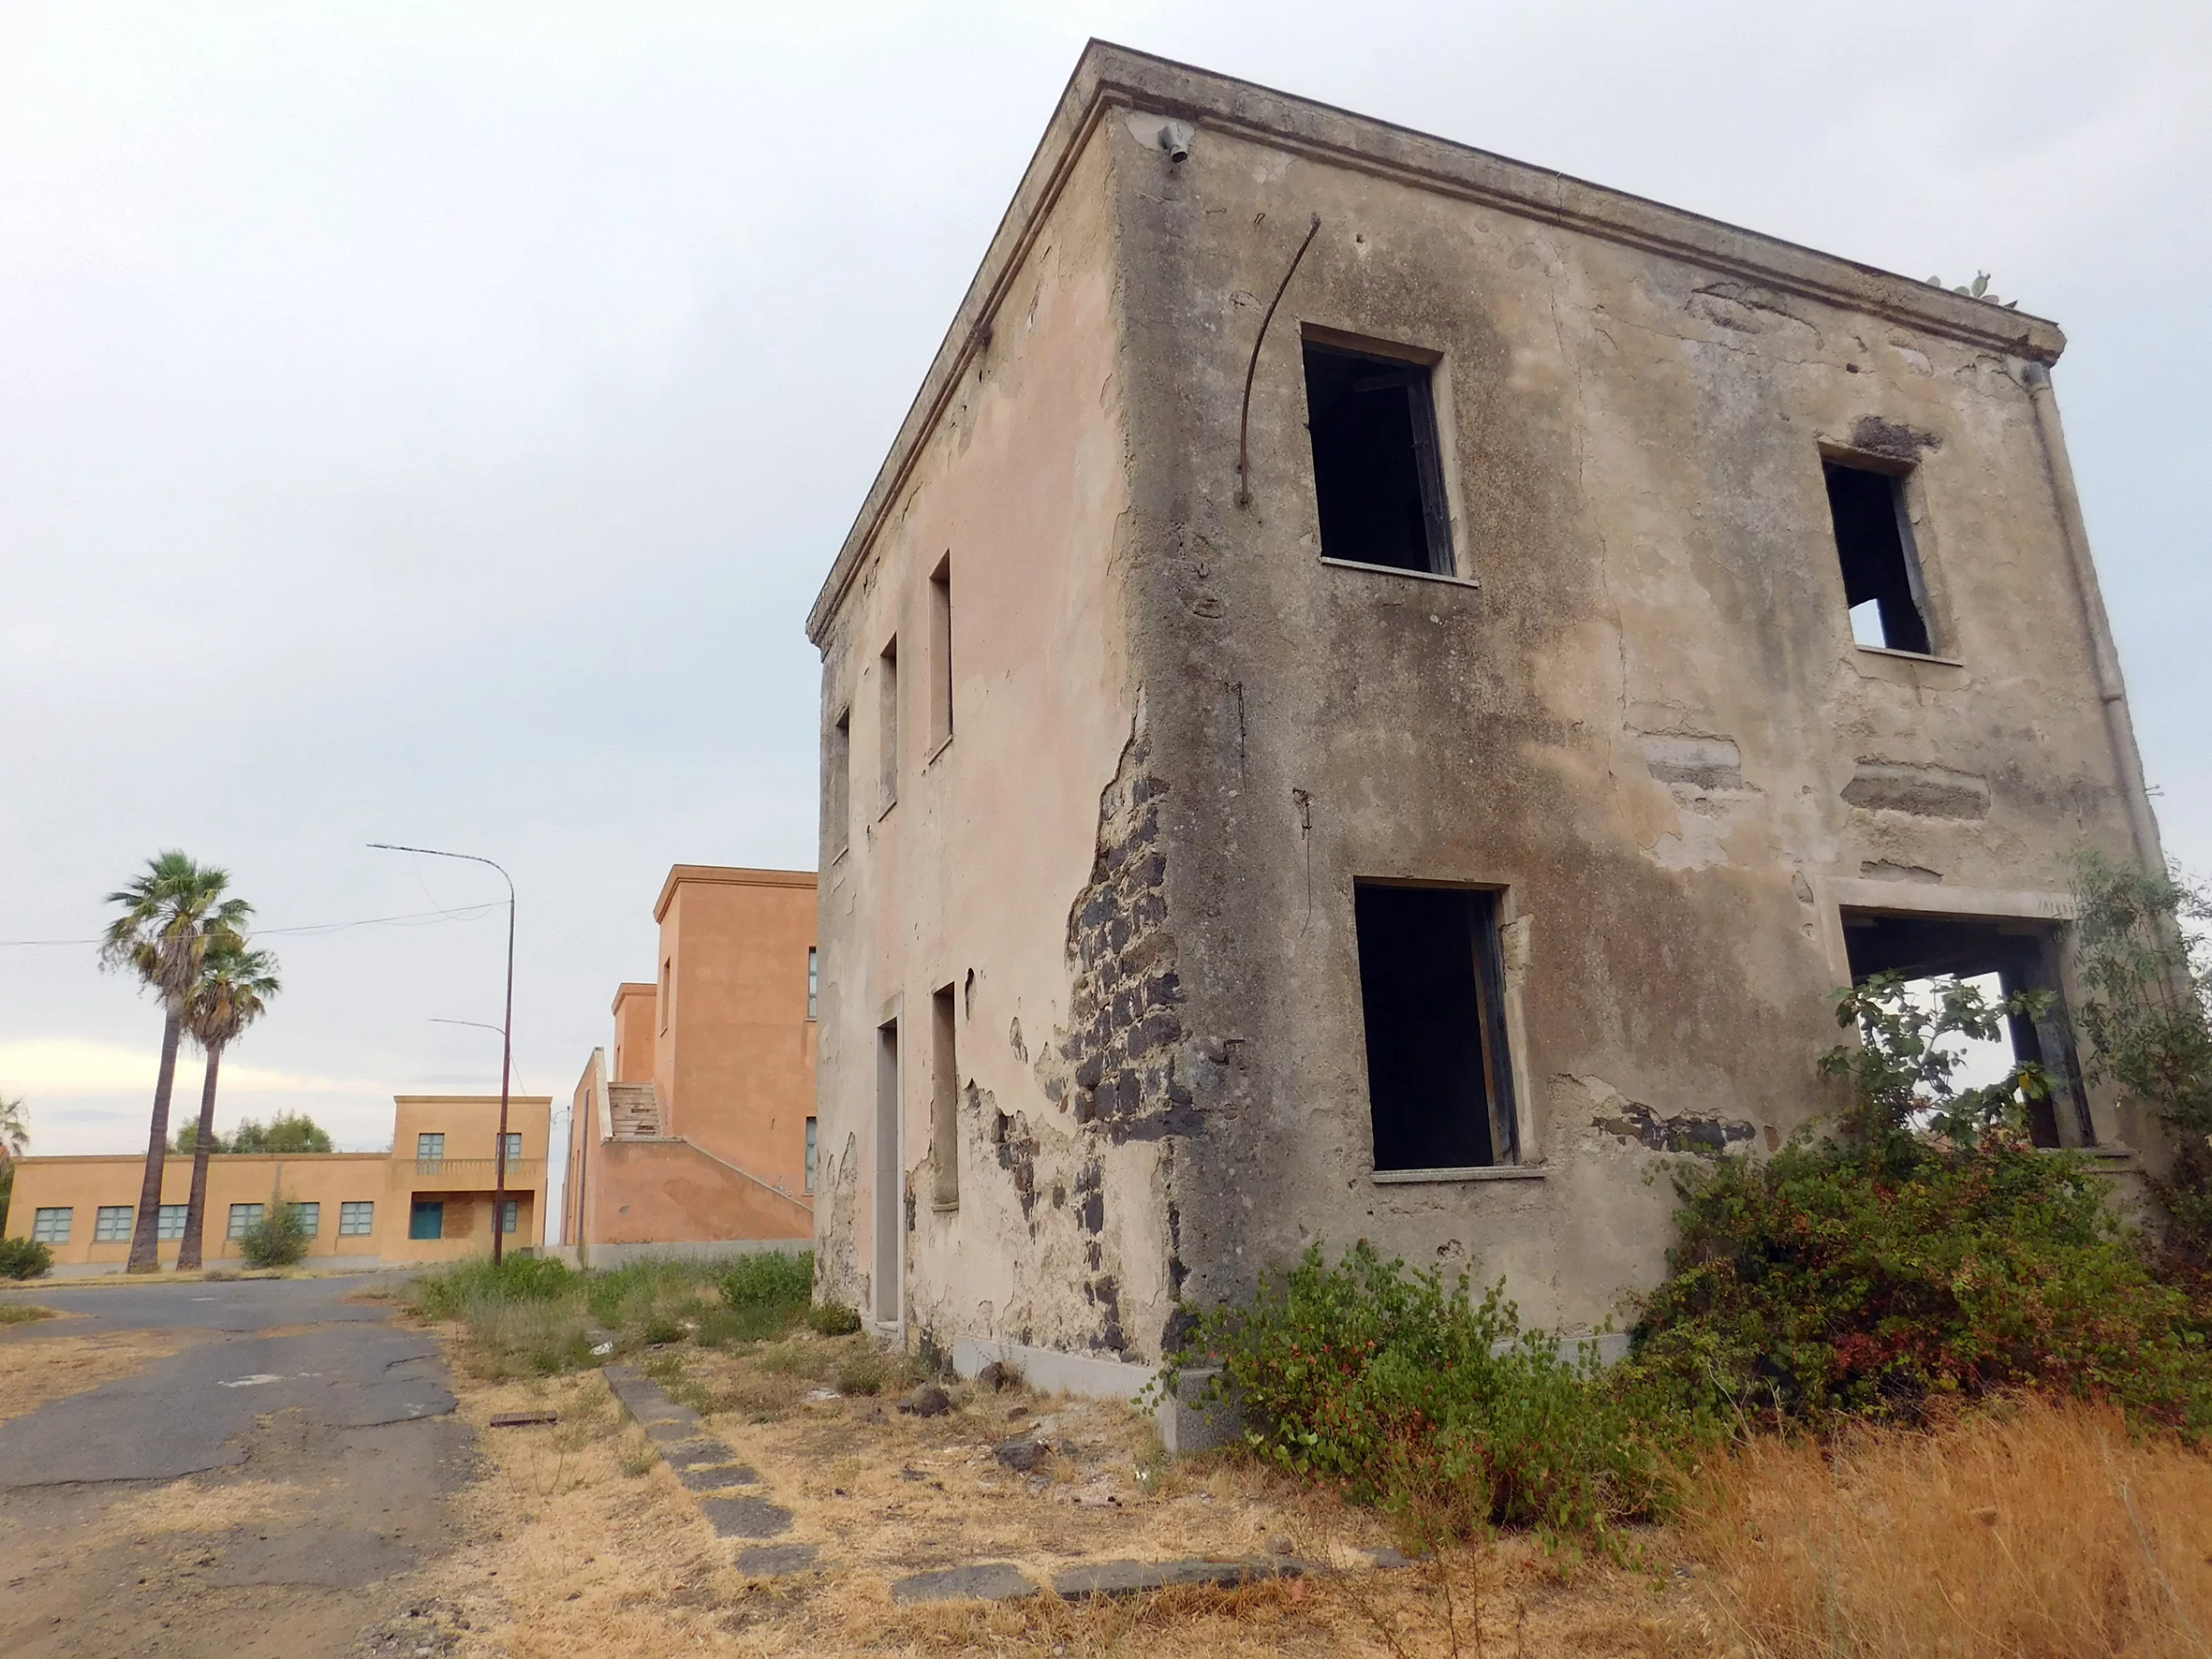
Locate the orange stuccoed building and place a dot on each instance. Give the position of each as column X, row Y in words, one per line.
column 701, row 1131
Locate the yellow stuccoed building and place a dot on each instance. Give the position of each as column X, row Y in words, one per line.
column 429, row 1200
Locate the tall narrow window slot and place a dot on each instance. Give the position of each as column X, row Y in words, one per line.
column 813, row 1140
column 886, row 725
column 1881, row 576
column 837, row 788
column 1432, row 990
column 888, row 1237
column 944, row 1101
column 1378, row 469
column 940, row 656
column 813, row 981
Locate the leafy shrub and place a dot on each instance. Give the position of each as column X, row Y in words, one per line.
column 833, row 1320
column 870, row 1369
column 1835, row 1280
column 278, row 1239
column 769, row 1278
column 1931, row 1251
column 1421, row 1398
column 24, row 1258
column 2142, row 954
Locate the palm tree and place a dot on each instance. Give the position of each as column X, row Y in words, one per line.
column 234, row 988
column 170, row 915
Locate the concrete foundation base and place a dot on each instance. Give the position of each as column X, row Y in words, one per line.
column 1184, row 1427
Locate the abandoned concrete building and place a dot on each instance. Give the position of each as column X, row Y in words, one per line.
column 1377, row 694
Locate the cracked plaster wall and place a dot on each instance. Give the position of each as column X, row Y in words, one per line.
column 1647, row 723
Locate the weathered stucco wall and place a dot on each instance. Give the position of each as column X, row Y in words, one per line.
column 1637, row 711
column 736, row 1070
column 1648, row 724
column 969, row 880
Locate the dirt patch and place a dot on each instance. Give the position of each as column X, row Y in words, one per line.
column 42, row 1364
column 586, row 1543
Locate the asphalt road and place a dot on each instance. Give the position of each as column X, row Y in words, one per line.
column 268, row 1488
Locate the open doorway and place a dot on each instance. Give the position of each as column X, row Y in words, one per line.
column 2000, row 957
column 888, row 1237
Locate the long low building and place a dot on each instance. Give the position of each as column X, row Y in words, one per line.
column 430, row 1199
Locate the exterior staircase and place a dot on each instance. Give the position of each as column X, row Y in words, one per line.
column 635, row 1110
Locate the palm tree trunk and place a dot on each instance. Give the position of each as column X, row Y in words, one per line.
column 144, row 1256
column 196, row 1207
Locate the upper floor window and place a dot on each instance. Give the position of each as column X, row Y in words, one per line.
column 1378, row 469
column 887, row 727
column 837, row 781
column 813, row 981
column 514, row 1146
column 431, row 1147
column 940, row 655
column 1881, row 579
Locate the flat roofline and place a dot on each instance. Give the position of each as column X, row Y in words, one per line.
column 1108, row 76
column 140, row 1158
column 631, row 988
column 470, row 1100
column 725, row 875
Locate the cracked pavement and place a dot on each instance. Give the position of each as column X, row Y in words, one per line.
column 271, row 1487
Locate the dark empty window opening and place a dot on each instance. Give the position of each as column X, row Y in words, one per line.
column 1874, row 539
column 1377, row 475
column 1999, row 958
column 1432, row 990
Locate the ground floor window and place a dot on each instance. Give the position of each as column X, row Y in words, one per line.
column 170, row 1225
column 356, row 1220
column 310, row 1218
column 427, row 1219
column 244, row 1218
column 511, row 1215
column 1999, row 957
column 112, row 1222
column 1431, row 994
column 50, row 1226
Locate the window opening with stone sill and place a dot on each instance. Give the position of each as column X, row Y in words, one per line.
column 837, row 773
column 169, row 1223
column 357, row 1220
column 940, row 655
column 430, row 1149
column 2000, row 959
column 51, row 1226
column 944, row 1100
column 813, row 981
column 112, row 1222
column 1431, row 994
column 886, row 727
column 811, row 1127
column 515, row 1148
column 244, row 1218
column 1881, row 578
column 1378, row 466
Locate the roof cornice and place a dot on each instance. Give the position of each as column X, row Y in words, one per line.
column 1108, row 76
column 723, row 876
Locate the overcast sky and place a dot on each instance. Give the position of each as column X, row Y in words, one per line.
column 430, row 423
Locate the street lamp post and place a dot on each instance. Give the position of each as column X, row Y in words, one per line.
column 506, row 1039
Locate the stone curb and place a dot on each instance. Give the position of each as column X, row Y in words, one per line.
column 708, row 1470
column 999, row 1580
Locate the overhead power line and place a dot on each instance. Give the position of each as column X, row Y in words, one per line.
column 418, row 917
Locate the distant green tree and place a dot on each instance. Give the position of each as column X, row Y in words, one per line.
column 235, row 985
column 15, row 1139
column 186, row 1141
column 171, row 912
column 287, row 1133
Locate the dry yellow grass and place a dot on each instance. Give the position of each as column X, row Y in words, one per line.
column 577, row 1558
column 2034, row 1533
column 38, row 1365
